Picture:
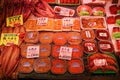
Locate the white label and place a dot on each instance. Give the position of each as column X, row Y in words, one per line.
column 100, row 62
column 65, row 53
column 42, row 21
column 33, row 51
column 67, row 22
column 75, row 64
column 105, row 46
column 30, row 35
column 103, row 34
column 26, row 64
column 88, row 35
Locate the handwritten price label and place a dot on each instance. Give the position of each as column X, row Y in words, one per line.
column 42, row 21
column 9, row 38
column 33, row 51
column 14, row 20
column 100, row 62
column 65, row 53
column 67, row 21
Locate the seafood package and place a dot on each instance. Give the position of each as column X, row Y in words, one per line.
column 90, row 47
column 60, row 38
column 88, row 34
column 102, row 63
column 93, row 22
column 77, row 51
column 26, row 65
column 105, row 46
column 74, row 38
column 42, row 65
column 75, row 66
column 45, row 50
column 102, row 34
column 31, row 37
column 68, row 2
column 64, row 11
column 58, row 66
column 45, row 37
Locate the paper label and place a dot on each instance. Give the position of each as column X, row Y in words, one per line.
column 14, row 20
column 42, row 64
column 59, row 65
column 9, row 38
column 103, row 34
column 100, row 62
column 33, row 51
column 67, row 22
column 105, row 46
column 88, row 35
column 75, row 64
column 42, row 21
column 26, row 64
column 65, row 53
column 74, row 37
column 90, row 46
column 43, row 49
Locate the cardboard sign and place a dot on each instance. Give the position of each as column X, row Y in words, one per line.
column 14, row 20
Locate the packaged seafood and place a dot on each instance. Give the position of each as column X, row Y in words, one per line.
column 42, row 65
column 93, row 22
column 31, row 37
column 75, row 66
column 74, row 38
column 45, row 50
column 58, row 66
column 57, row 25
column 102, row 63
column 30, row 25
column 88, row 34
column 102, row 34
column 24, row 49
column 90, row 47
column 44, row 24
column 84, row 10
column 64, row 11
column 55, row 51
column 60, row 38
column 77, row 51
column 76, row 26
column 105, row 46
column 26, row 65
column 45, row 37
column 98, row 11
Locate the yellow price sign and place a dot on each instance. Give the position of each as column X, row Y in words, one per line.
column 9, row 38
column 14, row 20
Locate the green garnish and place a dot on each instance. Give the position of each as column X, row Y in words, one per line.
column 84, row 13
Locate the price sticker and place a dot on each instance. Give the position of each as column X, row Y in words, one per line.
column 103, row 34
column 32, row 51
column 9, row 38
column 100, row 62
column 105, row 46
column 67, row 21
column 65, row 53
column 14, row 20
column 42, row 21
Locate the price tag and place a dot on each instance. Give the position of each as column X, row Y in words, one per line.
column 103, row 34
column 65, row 53
column 105, row 46
column 67, row 21
column 9, row 38
column 100, row 62
column 88, row 35
column 42, row 21
column 33, row 51
column 14, row 20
